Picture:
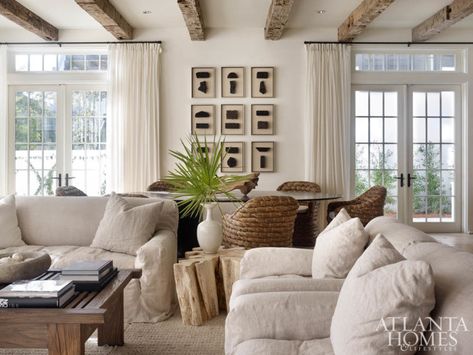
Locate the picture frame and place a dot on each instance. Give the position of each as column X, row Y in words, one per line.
column 262, row 82
column 232, row 82
column 209, row 145
column 262, row 157
column 232, row 119
column 233, row 157
column 203, row 120
column 262, row 119
column 203, row 82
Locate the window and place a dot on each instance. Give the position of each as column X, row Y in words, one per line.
column 53, row 62
column 406, row 62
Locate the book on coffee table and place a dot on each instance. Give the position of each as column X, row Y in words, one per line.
column 36, row 294
column 90, row 275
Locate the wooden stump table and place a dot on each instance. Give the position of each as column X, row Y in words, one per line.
column 204, row 283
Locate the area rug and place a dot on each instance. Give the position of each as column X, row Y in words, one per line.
column 165, row 338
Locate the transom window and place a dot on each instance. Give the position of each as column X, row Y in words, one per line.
column 53, row 62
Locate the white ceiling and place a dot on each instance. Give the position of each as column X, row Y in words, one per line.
column 66, row 14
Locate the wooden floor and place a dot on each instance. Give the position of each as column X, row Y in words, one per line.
column 457, row 240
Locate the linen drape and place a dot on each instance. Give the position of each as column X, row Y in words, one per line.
column 327, row 118
column 3, row 121
column 133, row 126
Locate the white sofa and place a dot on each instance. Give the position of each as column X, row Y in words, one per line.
column 64, row 227
column 277, row 308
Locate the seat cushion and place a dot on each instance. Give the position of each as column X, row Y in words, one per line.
column 285, row 347
column 337, row 249
column 382, row 289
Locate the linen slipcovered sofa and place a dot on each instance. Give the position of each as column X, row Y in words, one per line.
column 64, row 227
column 278, row 308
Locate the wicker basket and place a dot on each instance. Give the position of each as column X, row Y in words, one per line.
column 366, row 206
column 306, row 225
column 261, row 222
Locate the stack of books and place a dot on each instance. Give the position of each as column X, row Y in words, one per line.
column 37, row 294
column 91, row 275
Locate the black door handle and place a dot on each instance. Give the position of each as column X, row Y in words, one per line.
column 409, row 178
column 68, row 178
column 401, row 177
column 59, row 179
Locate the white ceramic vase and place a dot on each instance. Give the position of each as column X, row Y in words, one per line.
column 209, row 231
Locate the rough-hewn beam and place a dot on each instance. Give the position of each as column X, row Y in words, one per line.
column 277, row 18
column 361, row 17
column 442, row 19
column 193, row 16
column 108, row 16
column 27, row 19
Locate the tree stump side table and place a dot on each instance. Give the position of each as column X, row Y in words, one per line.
column 204, row 283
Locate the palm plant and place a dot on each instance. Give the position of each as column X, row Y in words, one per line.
column 196, row 175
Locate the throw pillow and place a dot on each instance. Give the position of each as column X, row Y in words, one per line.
column 125, row 228
column 383, row 297
column 337, row 250
column 340, row 218
column 10, row 234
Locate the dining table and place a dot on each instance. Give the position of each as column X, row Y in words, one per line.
column 187, row 230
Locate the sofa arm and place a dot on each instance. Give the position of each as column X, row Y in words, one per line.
column 261, row 262
column 280, row 315
column 156, row 259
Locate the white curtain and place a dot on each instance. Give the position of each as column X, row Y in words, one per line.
column 133, row 125
column 3, row 121
column 327, row 118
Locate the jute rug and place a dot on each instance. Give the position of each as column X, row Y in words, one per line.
column 165, row 338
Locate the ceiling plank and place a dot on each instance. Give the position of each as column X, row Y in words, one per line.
column 361, row 17
column 278, row 16
column 442, row 19
column 27, row 19
column 193, row 17
column 109, row 17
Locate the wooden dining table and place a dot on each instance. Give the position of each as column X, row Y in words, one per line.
column 187, row 231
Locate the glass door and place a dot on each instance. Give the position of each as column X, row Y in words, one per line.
column 34, row 155
column 434, row 178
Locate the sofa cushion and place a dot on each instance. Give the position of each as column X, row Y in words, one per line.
column 453, row 288
column 10, row 234
column 400, row 235
column 381, row 285
column 285, row 347
column 337, row 250
column 125, row 228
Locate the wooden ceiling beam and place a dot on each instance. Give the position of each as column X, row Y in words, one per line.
column 27, row 19
column 278, row 16
column 361, row 17
column 108, row 16
column 442, row 19
column 192, row 14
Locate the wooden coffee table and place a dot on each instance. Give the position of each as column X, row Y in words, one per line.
column 63, row 331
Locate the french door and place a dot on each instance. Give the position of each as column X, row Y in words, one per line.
column 57, row 137
column 408, row 139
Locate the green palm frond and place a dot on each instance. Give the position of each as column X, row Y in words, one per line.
column 195, row 176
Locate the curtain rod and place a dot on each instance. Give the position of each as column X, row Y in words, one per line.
column 401, row 43
column 66, row 43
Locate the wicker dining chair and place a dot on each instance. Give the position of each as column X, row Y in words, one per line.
column 367, row 206
column 261, row 222
column 306, row 224
column 160, row 185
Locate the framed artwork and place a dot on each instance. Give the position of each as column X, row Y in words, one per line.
column 262, row 82
column 233, row 81
column 262, row 156
column 203, row 83
column 208, row 147
column 233, row 158
column 203, row 119
column 233, row 119
column 262, row 119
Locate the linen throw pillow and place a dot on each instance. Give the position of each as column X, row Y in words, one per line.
column 337, row 250
column 383, row 297
column 340, row 218
column 124, row 228
column 10, row 234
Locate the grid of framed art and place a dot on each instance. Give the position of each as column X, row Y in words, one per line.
column 233, row 114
